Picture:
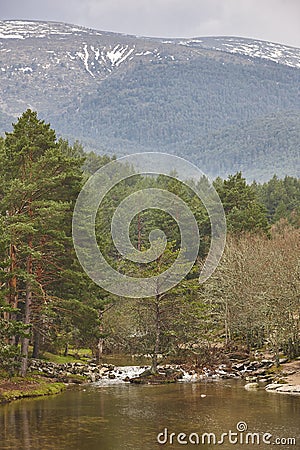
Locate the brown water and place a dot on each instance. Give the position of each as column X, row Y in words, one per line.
column 130, row 417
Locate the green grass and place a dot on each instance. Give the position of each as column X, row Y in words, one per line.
column 59, row 359
column 42, row 388
column 83, row 352
column 75, row 378
column 80, row 356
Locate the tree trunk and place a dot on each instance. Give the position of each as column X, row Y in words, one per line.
column 99, row 350
column 12, row 296
column 13, row 300
column 36, row 344
column 28, row 298
column 157, row 337
column 37, row 309
column 25, row 340
column 66, row 352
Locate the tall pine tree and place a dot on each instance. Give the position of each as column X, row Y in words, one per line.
column 40, row 181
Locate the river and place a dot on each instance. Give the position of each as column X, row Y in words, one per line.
column 125, row 416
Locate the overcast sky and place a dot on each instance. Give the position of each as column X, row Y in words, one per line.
column 274, row 20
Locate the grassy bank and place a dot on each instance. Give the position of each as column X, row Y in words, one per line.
column 82, row 355
column 16, row 388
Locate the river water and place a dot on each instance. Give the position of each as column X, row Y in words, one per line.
column 124, row 416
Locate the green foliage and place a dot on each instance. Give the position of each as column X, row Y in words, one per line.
column 259, row 147
column 47, row 300
column 79, row 322
column 41, row 178
column 9, row 357
column 9, row 353
column 244, row 212
column 281, row 198
column 222, row 112
column 225, row 112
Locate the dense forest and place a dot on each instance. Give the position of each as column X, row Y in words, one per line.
column 48, row 303
column 218, row 111
column 225, row 112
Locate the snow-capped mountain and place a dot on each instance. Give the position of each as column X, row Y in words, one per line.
column 102, row 51
column 97, row 52
column 22, row 29
column 121, row 93
column 252, row 48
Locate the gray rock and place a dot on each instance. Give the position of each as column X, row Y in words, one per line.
column 273, row 386
column 268, row 362
column 238, row 366
column 260, row 371
column 289, row 389
column 283, row 360
column 251, row 386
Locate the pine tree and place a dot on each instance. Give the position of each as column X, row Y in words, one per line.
column 41, row 179
column 244, row 212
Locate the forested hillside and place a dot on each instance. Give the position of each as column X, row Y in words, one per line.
column 47, row 303
column 227, row 104
column 249, row 145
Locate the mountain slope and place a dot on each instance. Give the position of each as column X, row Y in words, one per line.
column 199, row 98
column 249, row 145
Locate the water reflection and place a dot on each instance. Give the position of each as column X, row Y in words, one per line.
column 130, row 417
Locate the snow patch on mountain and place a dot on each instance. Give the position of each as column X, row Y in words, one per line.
column 279, row 53
column 100, row 53
column 22, row 29
column 267, row 50
column 96, row 60
column 84, row 56
column 119, row 54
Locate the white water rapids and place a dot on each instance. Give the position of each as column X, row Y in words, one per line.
column 121, row 373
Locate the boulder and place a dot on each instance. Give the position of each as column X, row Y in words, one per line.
column 283, row 360
column 251, row 386
column 260, row 371
column 273, row 386
column 289, row 389
column 283, row 388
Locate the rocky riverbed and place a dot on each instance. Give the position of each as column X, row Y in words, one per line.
column 257, row 374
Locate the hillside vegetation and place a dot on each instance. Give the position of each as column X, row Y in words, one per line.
column 48, row 303
column 226, row 104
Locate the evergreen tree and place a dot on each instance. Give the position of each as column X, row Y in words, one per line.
column 244, row 212
column 41, row 181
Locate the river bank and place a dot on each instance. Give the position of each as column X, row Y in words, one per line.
column 262, row 370
column 16, row 388
column 290, row 374
column 47, row 378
